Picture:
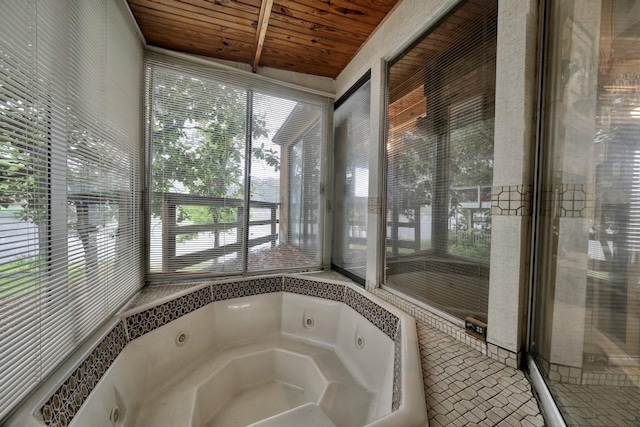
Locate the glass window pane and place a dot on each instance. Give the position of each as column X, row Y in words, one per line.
column 351, row 186
column 286, row 167
column 198, row 149
column 440, row 140
column 586, row 332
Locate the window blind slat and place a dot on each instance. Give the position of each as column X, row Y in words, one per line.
column 68, row 217
column 440, row 104
column 222, row 170
column 351, row 185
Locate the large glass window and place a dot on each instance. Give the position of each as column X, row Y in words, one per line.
column 351, row 186
column 236, row 173
column 441, row 95
column 70, row 180
column 586, row 324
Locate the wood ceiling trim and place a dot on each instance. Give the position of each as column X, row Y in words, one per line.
column 380, row 5
column 344, row 9
column 234, row 48
column 168, row 42
column 141, row 12
column 309, row 37
column 408, row 108
column 261, row 32
column 250, row 6
column 214, row 43
column 319, row 47
column 314, row 14
column 332, row 15
column 301, row 47
column 302, row 27
column 384, row 19
column 304, row 67
column 246, row 12
column 301, row 58
column 198, row 15
column 150, row 22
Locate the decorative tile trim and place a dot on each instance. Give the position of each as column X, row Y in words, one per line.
column 246, row 288
column 568, row 201
column 384, row 320
column 511, row 200
column 396, row 397
column 575, row 201
column 146, row 321
column 374, row 205
column 65, row 402
column 312, row 288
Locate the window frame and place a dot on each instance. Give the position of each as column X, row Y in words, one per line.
column 252, row 86
column 471, row 263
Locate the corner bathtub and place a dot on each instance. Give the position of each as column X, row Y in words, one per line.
column 272, row 351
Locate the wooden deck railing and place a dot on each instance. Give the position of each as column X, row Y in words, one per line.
column 171, row 230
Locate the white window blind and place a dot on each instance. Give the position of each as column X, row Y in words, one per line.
column 237, row 169
column 351, row 186
column 441, row 95
column 70, row 156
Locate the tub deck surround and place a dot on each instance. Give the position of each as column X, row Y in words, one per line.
column 236, row 326
column 66, row 401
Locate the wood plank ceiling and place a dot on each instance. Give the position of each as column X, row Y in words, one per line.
column 316, row 37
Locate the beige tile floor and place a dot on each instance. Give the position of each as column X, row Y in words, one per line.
column 596, row 405
column 465, row 388
column 462, row 387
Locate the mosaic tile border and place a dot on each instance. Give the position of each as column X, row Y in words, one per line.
column 511, row 200
column 312, row 288
column 245, row 288
column 384, row 320
column 66, row 401
column 146, row 321
column 568, row 201
column 576, row 201
column 396, row 397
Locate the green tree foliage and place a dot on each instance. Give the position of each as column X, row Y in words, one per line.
column 471, row 154
column 199, row 137
column 469, row 162
column 23, row 168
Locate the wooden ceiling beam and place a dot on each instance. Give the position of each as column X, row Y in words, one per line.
column 261, row 32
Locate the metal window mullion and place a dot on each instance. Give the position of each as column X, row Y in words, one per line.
column 327, row 203
column 57, row 254
column 247, row 180
column 383, row 179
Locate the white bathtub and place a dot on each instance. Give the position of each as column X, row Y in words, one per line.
column 266, row 352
